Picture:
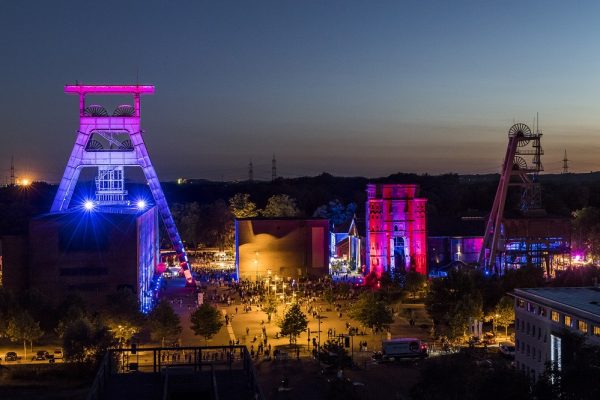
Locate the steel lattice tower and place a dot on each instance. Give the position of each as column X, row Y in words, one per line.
column 110, row 143
column 522, row 144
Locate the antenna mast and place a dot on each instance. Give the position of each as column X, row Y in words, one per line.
column 12, row 170
column 565, row 164
column 250, row 171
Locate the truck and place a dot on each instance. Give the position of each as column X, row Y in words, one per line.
column 397, row 348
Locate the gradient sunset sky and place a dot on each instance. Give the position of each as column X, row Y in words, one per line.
column 352, row 88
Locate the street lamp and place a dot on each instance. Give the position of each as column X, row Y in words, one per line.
column 256, row 266
column 319, row 343
column 494, row 323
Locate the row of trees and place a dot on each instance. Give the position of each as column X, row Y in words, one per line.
column 465, row 295
column 212, row 224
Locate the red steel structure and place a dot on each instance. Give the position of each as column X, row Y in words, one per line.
column 515, row 172
column 396, row 228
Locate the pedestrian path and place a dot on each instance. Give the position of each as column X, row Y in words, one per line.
column 229, row 328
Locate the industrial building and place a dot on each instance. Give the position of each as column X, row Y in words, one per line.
column 90, row 252
column 543, row 315
column 528, row 236
column 99, row 243
column 281, row 247
column 396, row 228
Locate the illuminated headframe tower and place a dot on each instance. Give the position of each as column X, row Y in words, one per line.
column 523, row 144
column 396, row 229
column 111, row 143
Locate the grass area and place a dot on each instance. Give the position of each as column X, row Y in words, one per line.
column 45, row 381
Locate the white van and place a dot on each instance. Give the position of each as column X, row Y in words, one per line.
column 404, row 348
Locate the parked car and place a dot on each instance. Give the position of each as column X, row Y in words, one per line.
column 489, row 339
column 11, row 356
column 507, row 349
column 40, row 355
column 58, row 354
column 474, row 340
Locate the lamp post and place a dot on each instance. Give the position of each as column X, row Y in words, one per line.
column 494, row 324
column 319, row 343
column 256, row 267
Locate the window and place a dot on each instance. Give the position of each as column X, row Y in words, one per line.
column 530, row 307
column 520, row 303
column 543, row 311
column 516, row 323
column 582, row 326
column 596, row 330
column 568, row 320
column 555, row 316
column 528, row 328
column 528, row 350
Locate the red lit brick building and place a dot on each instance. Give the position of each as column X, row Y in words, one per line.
column 396, row 228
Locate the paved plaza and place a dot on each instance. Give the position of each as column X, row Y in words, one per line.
column 246, row 325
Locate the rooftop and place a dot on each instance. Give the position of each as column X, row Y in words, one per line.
column 582, row 298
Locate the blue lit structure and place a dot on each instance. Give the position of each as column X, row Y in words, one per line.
column 543, row 242
column 109, row 143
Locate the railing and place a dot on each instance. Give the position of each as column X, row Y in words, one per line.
column 101, row 379
column 157, row 360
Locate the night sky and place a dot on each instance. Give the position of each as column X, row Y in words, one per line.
column 351, row 88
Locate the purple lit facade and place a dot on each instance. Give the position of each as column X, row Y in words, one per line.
column 110, row 143
column 396, row 228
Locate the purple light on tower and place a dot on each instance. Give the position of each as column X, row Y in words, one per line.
column 110, row 143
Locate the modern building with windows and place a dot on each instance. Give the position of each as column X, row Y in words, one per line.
column 542, row 315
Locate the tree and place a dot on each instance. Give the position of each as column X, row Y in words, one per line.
column 281, row 205
column 164, row 323
column 77, row 337
column 586, row 231
column 453, row 301
column 122, row 314
column 465, row 310
column 504, row 313
column 415, row 282
column 7, row 305
column 294, row 322
column 85, row 341
column 241, row 206
column 335, row 212
column 270, row 306
column 206, row 321
column 187, row 217
column 22, row 327
column 371, row 312
column 218, row 225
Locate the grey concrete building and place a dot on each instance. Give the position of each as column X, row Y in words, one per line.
column 541, row 317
